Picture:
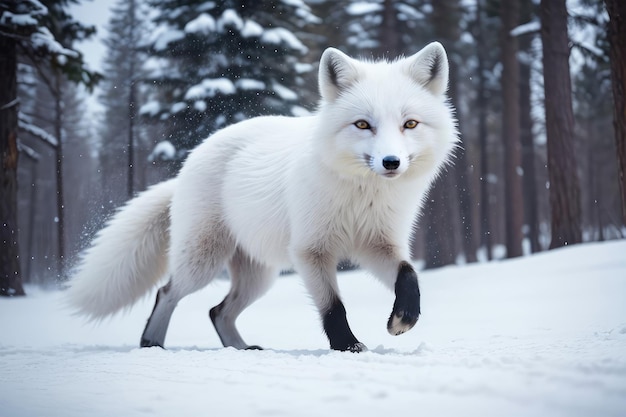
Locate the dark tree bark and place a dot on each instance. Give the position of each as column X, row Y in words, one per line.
column 461, row 172
column 10, row 274
column 485, row 229
column 513, row 202
column 529, row 180
column 450, row 33
column 131, row 99
column 389, row 35
column 617, row 40
column 440, row 247
column 562, row 166
column 440, row 224
column 58, row 152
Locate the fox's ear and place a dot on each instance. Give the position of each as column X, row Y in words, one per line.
column 429, row 67
column 336, row 73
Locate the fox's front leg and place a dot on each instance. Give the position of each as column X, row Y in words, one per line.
column 406, row 308
column 318, row 270
column 387, row 264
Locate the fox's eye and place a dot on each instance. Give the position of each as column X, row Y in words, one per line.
column 362, row 124
column 411, row 124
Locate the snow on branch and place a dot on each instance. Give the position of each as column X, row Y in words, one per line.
column 163, row 151
column 531, row 27
column 361, row 8
column 589, row 48
column 28, row 13
column 28, row 151
column 25, row 124
column 10, row 104
column 43, row 39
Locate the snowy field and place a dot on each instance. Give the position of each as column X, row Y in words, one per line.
column 539, row 336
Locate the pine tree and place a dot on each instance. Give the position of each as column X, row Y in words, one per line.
column 562, row 164
column 119, row 131
column 380, row 28
column 616, row 34
column 225, row 61
column 38, row 30
column 514, row 203
column 54, row 73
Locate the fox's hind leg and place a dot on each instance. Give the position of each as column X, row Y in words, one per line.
column 194, row 264
column 249, row 281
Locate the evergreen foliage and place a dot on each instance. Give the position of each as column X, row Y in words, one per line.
column 224, row 62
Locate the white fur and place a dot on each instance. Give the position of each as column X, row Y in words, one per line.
column 127, row 258
column 275, row 192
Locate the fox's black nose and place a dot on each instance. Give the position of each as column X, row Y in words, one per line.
column 391, row 162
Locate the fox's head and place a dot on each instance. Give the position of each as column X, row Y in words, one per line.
column 388, row 118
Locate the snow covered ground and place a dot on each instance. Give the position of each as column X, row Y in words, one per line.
column 539, row 336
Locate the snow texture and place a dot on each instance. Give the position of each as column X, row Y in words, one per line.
column 209, row 87
column 250, row 84
column 538, row 336
column 530, row 27
column 251, row 29
column 151, row 108
column 229, row 19
column 284, row 92
column 203, row 24
column 25, row 124
column 277, row 36
column 363, row 7
column 163, row 151
column 163, row 37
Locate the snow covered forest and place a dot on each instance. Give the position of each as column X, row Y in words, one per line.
column 543, row 151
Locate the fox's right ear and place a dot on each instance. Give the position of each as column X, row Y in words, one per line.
column 429, row 67
column 336, row 73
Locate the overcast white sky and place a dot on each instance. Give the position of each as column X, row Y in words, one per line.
column 97, row 13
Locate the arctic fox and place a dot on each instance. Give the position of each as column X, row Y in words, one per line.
column 275, row 192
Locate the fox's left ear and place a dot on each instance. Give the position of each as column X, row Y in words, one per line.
column 336, row 73
column 429, row 67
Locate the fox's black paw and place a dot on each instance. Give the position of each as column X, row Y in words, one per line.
column 356, row 347
column 406, row 308
column 145, row 343
column 254, row 347
column 401, row 322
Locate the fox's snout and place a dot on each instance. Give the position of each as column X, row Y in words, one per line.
column 389, row 166
column 391, row 162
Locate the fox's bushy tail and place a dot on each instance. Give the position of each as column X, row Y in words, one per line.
column 127, row 257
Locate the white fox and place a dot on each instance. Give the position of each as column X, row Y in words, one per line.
column 272, row 193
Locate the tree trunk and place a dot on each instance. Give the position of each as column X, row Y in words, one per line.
column 131, row 101
column 485, row 230
column 513, row 202
column 439, row 231
column 10, row 275
column 389, row 35
column 131, row 140
column 617, row 40
column 562, row 167
column 529, row 180
column 462, row 182
column 441, row 210
column 58, row 153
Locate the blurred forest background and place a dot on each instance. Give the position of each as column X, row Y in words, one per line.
column 531, row 82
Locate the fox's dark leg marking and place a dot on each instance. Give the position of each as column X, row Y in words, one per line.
column 406, row 308
column 338, row 331
column 214, row 314
column 153, row 340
